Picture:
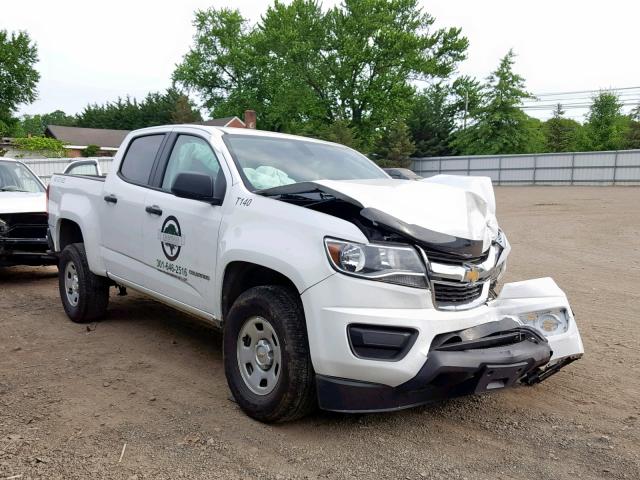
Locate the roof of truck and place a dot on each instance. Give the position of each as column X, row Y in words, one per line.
column 234, row 131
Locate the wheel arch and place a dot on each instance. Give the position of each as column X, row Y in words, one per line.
column 239, row 276
column 69, row 232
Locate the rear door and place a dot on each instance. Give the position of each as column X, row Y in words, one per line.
column 181, row 235
column 123, row 208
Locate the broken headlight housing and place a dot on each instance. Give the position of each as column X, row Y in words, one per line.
column 398, row 264
column 548, row 322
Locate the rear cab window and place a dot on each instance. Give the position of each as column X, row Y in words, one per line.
column 140, row 157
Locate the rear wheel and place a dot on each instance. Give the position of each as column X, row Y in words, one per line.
column 266, row 355
column 84, row 296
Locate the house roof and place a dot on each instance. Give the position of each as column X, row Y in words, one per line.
column 107, row 138
column 87, row 136
column 220, row 122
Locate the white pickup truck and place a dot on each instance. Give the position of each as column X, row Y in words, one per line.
column 334, row 284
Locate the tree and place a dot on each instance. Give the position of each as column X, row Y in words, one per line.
column 339, row 131
column 303, row 66
column 432, row 121
column 395, row 145
column 37, row 124
column 561, row 134
column 18, row 77
column 438, row 111
column 500, row 126
column 632, row 136
column 606, row 126
column 128, row 114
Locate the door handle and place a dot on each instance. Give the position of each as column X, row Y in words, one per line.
column 111, row 198
column 153, row 210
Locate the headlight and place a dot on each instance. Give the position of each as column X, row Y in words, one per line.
column 3, row 226
column 549, row 322
column 384, row 263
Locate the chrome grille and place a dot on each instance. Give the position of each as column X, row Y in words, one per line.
column 448, row 294
column 452, row 258
column 460, row 284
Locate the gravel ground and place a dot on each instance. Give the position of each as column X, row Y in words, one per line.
column 72, row 396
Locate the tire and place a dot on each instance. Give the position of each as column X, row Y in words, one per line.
column 87, row 300
column 292, row 395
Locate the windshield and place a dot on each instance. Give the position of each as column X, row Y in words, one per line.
column 15, row 177
column 268, row 162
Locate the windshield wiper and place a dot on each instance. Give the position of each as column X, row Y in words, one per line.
column 12, row 189
column 304, row 192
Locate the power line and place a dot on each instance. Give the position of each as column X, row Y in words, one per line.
column 554, row 94
column 573, row 105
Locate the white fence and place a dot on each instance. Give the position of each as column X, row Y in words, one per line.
column 46, row 167
column 595, row 168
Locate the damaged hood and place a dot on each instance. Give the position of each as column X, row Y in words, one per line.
column 445, row 210
column 23, row 202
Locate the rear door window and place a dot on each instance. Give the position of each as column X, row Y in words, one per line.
column 139, row 159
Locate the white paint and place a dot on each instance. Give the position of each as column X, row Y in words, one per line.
column 122, row 241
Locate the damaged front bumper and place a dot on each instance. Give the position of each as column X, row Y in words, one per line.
column 439, row 354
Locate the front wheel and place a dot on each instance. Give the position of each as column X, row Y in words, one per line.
column 84, row 295
column 266, row 355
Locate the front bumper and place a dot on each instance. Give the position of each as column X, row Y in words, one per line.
column 382, row 385
column 24, row 251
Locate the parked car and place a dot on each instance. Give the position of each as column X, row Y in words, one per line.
column 333, row 284
column 23, row 216
column 402, row 174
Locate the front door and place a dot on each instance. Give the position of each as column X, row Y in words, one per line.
column 180, row 234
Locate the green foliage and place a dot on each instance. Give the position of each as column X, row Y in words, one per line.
column 90, row 151
column 302, row 68
column 606, row 126
column 395, row 146
column 562, row 134
column 49, row 147
column 438, row 110
column 338, row 132
column 500, row 126
column 5, row 129
column 632, row 135
column 36, row 124
column 18, row 77
column 128, row 114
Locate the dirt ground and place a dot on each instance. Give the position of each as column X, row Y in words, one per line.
column 71, row 396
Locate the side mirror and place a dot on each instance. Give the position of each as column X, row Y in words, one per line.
column 196, row 186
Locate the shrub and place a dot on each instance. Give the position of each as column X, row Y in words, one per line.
column 49, row 147
column 91, row 151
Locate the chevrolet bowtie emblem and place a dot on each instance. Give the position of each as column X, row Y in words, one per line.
column 472, row 275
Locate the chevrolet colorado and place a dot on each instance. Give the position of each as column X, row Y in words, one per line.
column 333, row 284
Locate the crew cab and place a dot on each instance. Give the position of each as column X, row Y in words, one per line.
column 23, row 216
column 334, row 284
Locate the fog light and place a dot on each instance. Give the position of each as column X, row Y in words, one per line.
column 549, row 322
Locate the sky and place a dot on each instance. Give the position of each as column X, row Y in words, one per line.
column 94, row 51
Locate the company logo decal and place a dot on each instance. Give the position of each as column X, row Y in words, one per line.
column 171, row 238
